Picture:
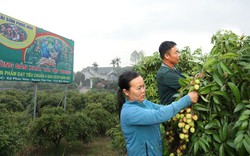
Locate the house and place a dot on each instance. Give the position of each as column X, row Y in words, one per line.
column 103, row 73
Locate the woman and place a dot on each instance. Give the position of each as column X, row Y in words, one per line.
column 140, row 119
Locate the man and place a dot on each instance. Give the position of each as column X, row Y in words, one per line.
column 168, row 76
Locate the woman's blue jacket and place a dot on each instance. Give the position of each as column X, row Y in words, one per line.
column 140, row 124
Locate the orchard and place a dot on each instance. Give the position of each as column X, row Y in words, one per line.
column 219, row 123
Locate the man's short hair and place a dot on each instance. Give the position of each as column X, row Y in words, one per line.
column 165, row 47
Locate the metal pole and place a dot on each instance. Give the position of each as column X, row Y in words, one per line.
column 35, row 100
column 65, row 97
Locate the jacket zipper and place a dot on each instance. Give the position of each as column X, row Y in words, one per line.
column 146, row 149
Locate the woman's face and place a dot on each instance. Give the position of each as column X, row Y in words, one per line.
column 137, row 91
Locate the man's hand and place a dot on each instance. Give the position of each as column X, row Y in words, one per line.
column 200, row 75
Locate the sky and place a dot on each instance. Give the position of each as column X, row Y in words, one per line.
column 103, row 30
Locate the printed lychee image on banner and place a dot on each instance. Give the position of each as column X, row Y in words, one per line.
column 29, row 53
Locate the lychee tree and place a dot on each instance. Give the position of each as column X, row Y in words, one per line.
column 219, row 123
column 224, row 107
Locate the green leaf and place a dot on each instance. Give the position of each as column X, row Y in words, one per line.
column 247, row 106
column 246, row 112
column 214, row 124
column 235, row 91
column 200, row 107
column 237, row 69
column 224, row 94
column 196, row 147
column 221, row 150
column 205, row 142
column 239, row 107
column 204, row 99
column 217, row 79
column 247, row 146
column 217, row 138
column 210, row 61
column 230, row 143
column 229, row 56
column 247, row 138
column 228, row 149
column 244, row 125
column 216, row 99
column 205, row 90
column 240, row 132
column 238, row 139
column 225, row 68
column 215, row 87
column 183, row 82
column 203, row 146
column 243, row 117
column 224, row 131
column 208, row 131
column 239, row 146
column 243, row 88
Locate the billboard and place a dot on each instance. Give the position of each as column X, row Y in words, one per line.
column 29, row 53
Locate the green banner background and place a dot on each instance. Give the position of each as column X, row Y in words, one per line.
column 29, row 53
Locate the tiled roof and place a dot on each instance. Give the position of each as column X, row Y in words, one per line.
column 100, row 72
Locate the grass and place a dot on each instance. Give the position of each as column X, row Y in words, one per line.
column 100, row 146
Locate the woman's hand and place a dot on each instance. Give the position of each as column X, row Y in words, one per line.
column 194, row 96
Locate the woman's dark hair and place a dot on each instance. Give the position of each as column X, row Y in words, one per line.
column 165, row 47
column 124, row 83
